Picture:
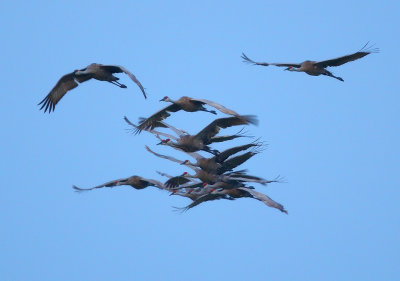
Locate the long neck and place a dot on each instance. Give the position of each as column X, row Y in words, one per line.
column 81, row 72
column 170, row 100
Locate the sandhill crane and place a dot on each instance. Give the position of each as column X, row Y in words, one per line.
column 222, row 190
column 200, row 141
column 235, row 178
column 184, row 103
column 217, row 164
column 181, row 133
column 72, row 80
column 316, row 68
column 134, row 181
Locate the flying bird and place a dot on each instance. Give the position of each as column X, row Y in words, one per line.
column 316, row 68
column 184, row 103
column 200, row 141
column 71, row 80
column 134, row 181
column 221, row 190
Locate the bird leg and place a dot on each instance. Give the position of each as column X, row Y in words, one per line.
column 211, row 111
column 117, row 84
column 327, row 73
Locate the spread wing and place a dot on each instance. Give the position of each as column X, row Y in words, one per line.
column 119, row 69
column 176, row 181
column 154, row 183
column 204, row 198
column 66, row 83
column 265, row 199
column 213, row 128
column 234, row 162
column 344, row 59
column 151, row 122
column 217, row 106
column 107, row 184
column 168, row 157
column 247, row 60
column 230, row 151
column 157, row 133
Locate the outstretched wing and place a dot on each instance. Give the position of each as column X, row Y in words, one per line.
column 119, row 69
column 265, row 199
column 344, row 59
column 176, row 181
column 157, row 133
column 167, row 157
column 230, row 151
column 66, row 83
column 217, row 106
column 247, row 60
column 107, row 184
column 155, row 183
column 234, row 162
column 213, row 128
column 151, row 122
column 204, row 198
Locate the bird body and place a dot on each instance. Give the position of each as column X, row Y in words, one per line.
column 71, row 80
column 316, row 68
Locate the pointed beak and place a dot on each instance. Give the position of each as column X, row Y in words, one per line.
column 287, row 68
column 161, row 100
column 183, row 163
column 160, row 143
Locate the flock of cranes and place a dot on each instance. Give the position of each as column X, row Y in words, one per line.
column 216, row 175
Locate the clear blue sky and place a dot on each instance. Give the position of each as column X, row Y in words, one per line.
column 336, row 144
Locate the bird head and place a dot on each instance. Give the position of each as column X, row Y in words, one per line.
column 185, row 162
column 185, row 174
column 164, row 141
column 173, row 192
column 164, row 98
column 290, row 68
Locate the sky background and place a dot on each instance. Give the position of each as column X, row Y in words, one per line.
column 336, row 144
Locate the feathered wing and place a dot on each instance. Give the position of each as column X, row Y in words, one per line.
column 107, row 184
column 223, row 138
column 212, row 129
column 155, row 183
column 204, row 198
column 119, row 69
column 150, row 122
column 347, row 58
column 65, row 84
column 176, row 181
column 218, row 106
column 230, row 151
column 235, row 162
column 265, row 199
column 177, row 131
column 247, row 60
column 154, row 132
column 168, row 157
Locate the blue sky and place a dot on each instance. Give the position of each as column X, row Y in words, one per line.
column 335, row 143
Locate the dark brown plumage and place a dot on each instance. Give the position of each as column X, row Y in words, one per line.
column 184, row 103
column 316, row 68
column 72, row 80
column 134, row 181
